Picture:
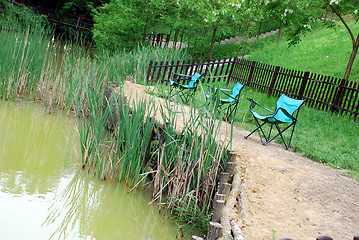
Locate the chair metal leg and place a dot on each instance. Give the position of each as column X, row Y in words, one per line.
column 259, row 129
column 280, row 133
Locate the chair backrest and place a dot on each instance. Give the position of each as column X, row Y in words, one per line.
column 236, row 90
column 289, row 104
column 194, row 79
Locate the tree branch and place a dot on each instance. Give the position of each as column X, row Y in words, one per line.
column 343, row 21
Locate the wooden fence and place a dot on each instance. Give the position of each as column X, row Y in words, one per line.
column 164, row 39
column 320, row 91
column 213, row 71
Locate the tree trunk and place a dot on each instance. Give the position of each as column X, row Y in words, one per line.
column 351, row 59
column 144, row 30
column 279, row 34
column 259, row 30
column 212, row 43
column 239, row 45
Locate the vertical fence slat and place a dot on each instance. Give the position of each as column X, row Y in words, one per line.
column 231, row 70
column 273, row 80
column 149, row 71
column 251, row 72
column 355, row 100
column 339, row 97
column 303, row 85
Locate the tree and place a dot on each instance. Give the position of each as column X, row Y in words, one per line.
column 350, row 8
column 210, row 15
column 120, row 23
column 297, row 16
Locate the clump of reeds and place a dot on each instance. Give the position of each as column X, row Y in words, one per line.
column 182, row 165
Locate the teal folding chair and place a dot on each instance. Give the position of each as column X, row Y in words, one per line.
column 185, row 92
column 226, row 105
column 285, row 114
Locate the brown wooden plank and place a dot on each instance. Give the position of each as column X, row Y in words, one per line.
column 153, row 71
column 159, row 71
column 355, row 100
column 346, row 98
column 149, row 72
column 309, row 92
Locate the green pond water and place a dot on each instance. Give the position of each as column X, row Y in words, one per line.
column 44, row 193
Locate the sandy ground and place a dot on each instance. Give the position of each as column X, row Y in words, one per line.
column 280, row 193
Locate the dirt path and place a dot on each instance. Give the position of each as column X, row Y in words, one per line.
column 284, row 193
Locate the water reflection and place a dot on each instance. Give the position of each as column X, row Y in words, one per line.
column 105, row 211
column 44, row 194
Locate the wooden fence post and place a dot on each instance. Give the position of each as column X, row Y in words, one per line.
column 274, row 78
column 249, row 80
column 234, row 61
column 215, row 229
column 218, row 207
column 337, row 103
column 149, row 71
column 302, row 86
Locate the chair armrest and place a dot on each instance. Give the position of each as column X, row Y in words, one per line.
column 225, row 90
column 287, row 114
column 253, row 104
column 180, row 74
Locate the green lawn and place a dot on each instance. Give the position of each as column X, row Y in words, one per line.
column 321, row 136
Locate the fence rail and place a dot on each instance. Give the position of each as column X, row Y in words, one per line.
column 320, row 91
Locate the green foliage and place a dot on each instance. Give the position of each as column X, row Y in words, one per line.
column 189, row 216
column 80, row 6
column 120, row 24
column 114, row 31
column 21, row 18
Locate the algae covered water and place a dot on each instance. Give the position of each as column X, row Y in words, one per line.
column 44, row 193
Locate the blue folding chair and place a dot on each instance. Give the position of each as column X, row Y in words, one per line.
column 227, row 105
column 185, row 92
column 286, row 113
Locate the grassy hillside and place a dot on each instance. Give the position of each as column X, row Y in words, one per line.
column 323, row 51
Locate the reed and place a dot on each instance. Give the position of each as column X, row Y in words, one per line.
column 133, row 65
column 134, row 148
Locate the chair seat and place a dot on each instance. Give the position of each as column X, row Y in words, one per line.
column 272, row 118
column 223, row 100
column 227, row 100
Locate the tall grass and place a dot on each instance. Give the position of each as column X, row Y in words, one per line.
column 133, row 65
column 182, row 166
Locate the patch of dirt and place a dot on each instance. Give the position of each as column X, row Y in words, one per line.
column 277, row 190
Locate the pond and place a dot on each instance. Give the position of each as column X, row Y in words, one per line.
column 45, row 194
